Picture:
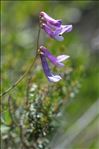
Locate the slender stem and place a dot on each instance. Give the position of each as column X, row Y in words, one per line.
column 38, row 37
column 29, row 79
column 28, row 70
column 19, row 80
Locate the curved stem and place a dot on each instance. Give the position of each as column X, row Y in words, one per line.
column 19, row 80
column 28, row 70
column 38, row 37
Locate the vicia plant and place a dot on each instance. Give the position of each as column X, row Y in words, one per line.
column 54, row 29
column 36, row 119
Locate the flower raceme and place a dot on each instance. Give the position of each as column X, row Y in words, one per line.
column 55, row 30
column 57, row 61
column 52, row 27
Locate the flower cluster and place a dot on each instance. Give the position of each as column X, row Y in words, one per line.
column 54, row 29
column 44, row 53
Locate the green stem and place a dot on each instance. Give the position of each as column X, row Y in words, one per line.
column 28, row 70
column 19, row 80
column 38, row 37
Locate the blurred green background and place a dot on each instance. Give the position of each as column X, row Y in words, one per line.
column 78, row 91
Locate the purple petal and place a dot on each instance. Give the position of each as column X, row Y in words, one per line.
column 45, row 65
column 48, row 30
column 59, row 31
column 57, row 35
column 50, row 20
column 52, row 58
column 53, row 34
column 55, row 60
column 51, row 77
column 56, row 32
column 52, row 27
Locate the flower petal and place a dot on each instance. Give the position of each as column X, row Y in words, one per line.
column 55, row 60
column 45, row 65
column 52, row 27
column 50, row 20
column 51, row 77
column 59, row 38
column 52, row 58
column 48, row 30
column 59, row 31
column 53, row 34
column 62, row 57
column 54, row 78
column 65, row 28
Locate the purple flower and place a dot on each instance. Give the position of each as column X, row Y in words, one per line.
column 55, row 60
column 48, row 20
column 52, row 27
column 51, row 77
column 44, row 53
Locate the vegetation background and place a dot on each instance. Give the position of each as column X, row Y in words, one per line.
column 39, row 114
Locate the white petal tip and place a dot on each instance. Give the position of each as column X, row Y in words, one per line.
column 70, row 27
column 54, row 78
column 62, row 57
column 59, row 38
